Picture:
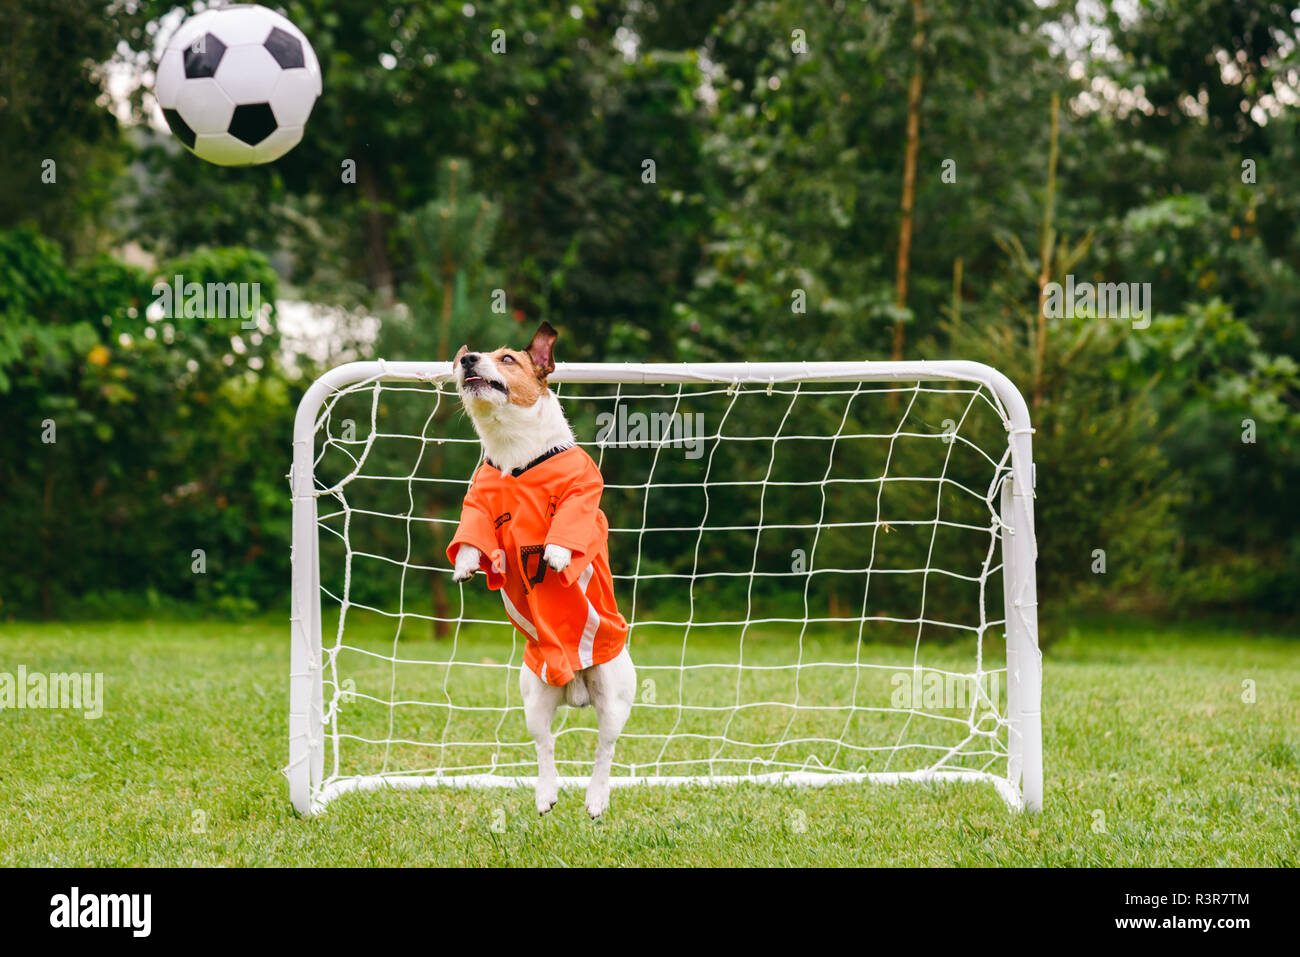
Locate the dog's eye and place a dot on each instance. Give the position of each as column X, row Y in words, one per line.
column 507, row 359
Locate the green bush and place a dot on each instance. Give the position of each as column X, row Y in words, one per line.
column 135, row 438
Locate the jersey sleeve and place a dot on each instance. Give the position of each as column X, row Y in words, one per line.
column 475, row 529
column 576, row 523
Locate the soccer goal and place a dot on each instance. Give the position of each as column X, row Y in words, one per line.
column 828, row 568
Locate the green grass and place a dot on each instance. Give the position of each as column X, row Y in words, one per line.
column 1152, row 758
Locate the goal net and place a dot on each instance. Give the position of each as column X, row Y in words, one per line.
column 828, row 569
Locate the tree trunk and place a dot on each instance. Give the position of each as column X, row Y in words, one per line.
column 956, row 290
column 909, row 181
column 438, row 587
column 47, row 510
column 441, row 604
column 378, row 265
column 1045, row 256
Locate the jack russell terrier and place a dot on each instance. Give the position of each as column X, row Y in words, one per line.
column 532, row 522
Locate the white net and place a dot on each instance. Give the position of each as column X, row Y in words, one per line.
column 812, row 573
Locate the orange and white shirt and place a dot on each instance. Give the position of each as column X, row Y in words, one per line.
column 570, row 618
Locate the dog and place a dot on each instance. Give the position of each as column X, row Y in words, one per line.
column 532, row 522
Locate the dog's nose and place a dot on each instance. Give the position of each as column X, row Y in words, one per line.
column 468, row 359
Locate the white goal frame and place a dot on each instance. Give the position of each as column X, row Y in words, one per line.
column 1021, row 785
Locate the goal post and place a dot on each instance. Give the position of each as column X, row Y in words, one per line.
column 808, row 553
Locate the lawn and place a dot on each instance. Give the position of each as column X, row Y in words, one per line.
column 1169, row 746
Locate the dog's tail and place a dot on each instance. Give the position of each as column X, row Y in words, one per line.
column 576, row 694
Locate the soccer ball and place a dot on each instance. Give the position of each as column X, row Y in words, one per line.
column 236, row 85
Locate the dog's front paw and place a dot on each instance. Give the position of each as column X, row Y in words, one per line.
column 557, row 556
column 597, row 801
column 467, row 560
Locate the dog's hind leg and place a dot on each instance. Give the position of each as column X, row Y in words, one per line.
column 613, row 689
column 540, row 703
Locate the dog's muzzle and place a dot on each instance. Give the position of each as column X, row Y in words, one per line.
column 472, row 380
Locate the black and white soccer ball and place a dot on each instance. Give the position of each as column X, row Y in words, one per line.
column 237, row 85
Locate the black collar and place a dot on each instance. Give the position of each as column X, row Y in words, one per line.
column 537, row 461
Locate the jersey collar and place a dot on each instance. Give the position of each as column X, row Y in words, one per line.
column 537, row 461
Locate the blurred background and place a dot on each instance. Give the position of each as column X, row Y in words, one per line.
column 830, row 180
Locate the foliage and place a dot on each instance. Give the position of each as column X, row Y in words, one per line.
column 767, row 232
column 138, row 437
column 809, row 143
column 63, row 150
column 1233, row 438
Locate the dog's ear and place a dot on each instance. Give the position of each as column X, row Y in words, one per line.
column 456, row 358
column 542, row 349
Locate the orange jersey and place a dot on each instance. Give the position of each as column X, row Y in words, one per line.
column 570, row 618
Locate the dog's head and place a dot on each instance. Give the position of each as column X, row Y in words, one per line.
column 514, row 376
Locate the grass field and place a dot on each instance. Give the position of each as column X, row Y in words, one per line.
column 1154, row 756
